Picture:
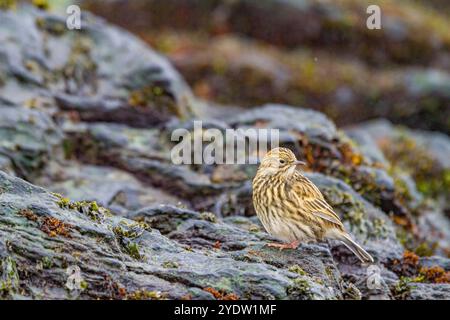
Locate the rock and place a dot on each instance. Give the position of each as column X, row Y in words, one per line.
column 114, row 257
column 28, row 138
column 109, row 187
column 294, row 24
column 116, row 218
column 84, row 71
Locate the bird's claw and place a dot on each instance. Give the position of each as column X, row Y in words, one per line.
column 282, row 246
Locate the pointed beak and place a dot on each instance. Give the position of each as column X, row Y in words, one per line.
column 300, row 163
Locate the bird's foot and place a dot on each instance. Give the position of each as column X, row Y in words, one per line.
column 281, row 246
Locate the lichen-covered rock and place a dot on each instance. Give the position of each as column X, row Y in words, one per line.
column 228, row 57
column 100, row 72
column 110, row 187
column 28, row 138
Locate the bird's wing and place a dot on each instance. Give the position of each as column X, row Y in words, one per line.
column 313, row 201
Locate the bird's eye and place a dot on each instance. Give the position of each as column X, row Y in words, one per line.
column 282, row 161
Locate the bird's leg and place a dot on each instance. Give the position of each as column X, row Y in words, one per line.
column 281, row 246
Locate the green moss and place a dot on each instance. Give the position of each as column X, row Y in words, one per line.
column 130, row 230
column 84, row 285
column 63, row 202
column 403, row 287
column 352, row 210
column 47, row 262
column 297, row 269
column 415, row 160
column 409, row 242
column 41, row 4
column 379, row 228
column 433, row 186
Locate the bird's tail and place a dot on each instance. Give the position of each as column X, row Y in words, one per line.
column 362, row 254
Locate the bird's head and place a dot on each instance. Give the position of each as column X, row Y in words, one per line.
column 279, row 161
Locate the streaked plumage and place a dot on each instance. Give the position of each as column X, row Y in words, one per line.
column 292, row 208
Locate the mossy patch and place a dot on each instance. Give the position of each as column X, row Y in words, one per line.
column 7, row 4
column 146, row 295
column 9, row 277
column 51, row 226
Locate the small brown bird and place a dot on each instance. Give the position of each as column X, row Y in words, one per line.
column 292, row 208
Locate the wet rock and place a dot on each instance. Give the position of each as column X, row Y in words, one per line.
column 85, row 72
column 28, row 138
column 209, row 44
column 117, row 258
column 424, row 291
column 110, row 187
column 313, row 124
column 422, row 155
